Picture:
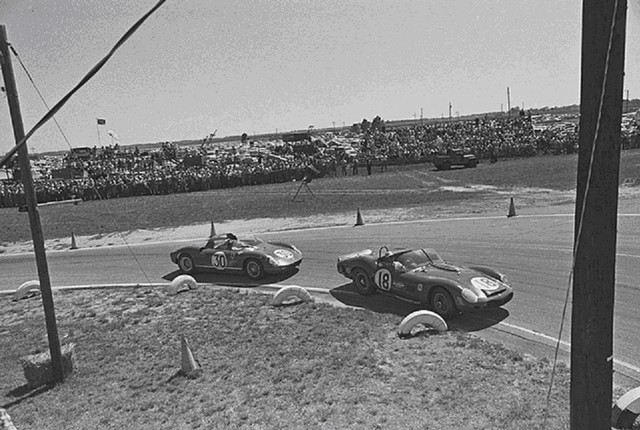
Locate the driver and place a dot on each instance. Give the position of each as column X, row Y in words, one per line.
column 398, row 265
column 230, row 241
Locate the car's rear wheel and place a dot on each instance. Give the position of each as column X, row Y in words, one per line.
column 442, row 303
column 363, row 282
column 254, row 269
column 185, row 263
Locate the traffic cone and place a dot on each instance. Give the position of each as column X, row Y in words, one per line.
column 189, row 365
column 74, row 245
column 512, row 209
column 213, row 230
column 359, row 219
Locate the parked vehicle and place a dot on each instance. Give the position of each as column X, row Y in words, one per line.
column 455, row 157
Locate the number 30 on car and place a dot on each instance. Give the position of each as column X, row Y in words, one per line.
column 227, row 254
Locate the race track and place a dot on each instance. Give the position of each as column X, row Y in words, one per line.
column 533, row 250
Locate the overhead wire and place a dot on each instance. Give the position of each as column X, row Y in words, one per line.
column 135, row 258
column 82, row 82
column 24, row 68
column 582, row 209
column 52, row 111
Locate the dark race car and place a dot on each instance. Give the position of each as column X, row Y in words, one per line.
column 421, row 276
column 227, row 254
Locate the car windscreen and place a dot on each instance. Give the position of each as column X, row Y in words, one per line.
column 413, row 259
column 433, row 256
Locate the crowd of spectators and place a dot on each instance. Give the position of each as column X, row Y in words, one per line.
column 115, row 171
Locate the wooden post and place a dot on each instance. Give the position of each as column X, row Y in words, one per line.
column 596, row 213
column 34, row 216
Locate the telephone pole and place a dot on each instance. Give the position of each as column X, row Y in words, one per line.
column 32, row 208
column 603, row 45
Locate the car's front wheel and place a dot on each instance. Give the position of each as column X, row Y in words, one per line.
column 362, row 282
column 185, row 263
column 442, row 303
column 254, row 269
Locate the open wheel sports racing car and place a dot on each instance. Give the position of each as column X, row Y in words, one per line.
column 421, row 276
column 227, row 254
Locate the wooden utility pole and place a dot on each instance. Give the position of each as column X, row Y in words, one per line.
column 508, row 103
column 34, row 216
column 603, row 40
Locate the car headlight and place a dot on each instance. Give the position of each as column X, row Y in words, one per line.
column 295, row 249
column 469, row 295
column 504, row 279
column 272, row 261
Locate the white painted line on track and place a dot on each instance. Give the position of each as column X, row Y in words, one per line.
column 535, row 333
column 563, row 343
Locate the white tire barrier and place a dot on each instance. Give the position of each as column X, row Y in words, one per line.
column 426, row 318
column 181, row 283
column 28, row 289
column 291, row 292
column 626, row 410
column 5, row 421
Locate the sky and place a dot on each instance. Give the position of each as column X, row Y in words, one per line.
column 249, row 66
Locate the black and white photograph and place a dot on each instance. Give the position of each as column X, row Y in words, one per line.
column 296, row 214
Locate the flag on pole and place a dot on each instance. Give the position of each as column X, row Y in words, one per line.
column 101, row 121
column 113, row 134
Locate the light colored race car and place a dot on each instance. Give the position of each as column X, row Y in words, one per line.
column 227, row 254
column 421, row 276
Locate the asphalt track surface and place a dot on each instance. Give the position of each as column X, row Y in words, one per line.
column 534, row 251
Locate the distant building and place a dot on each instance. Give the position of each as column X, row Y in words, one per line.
column 82, row 153
column 296, row 137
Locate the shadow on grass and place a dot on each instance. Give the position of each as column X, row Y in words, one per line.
column 25, row 392
column 379, row 302
column 236, row 280
column 386, row 303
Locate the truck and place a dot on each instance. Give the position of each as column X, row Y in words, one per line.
column 454, row 157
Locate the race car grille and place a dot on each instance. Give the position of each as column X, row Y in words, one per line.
column 493, row 293
column 496, row 303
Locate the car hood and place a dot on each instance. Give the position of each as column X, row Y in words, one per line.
column 445, row 269
column 363, row 253
column 461, row 275
column 280, row 251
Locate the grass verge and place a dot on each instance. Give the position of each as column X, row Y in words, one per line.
column 307, row 365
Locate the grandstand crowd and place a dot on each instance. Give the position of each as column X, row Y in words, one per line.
column 115, row 171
